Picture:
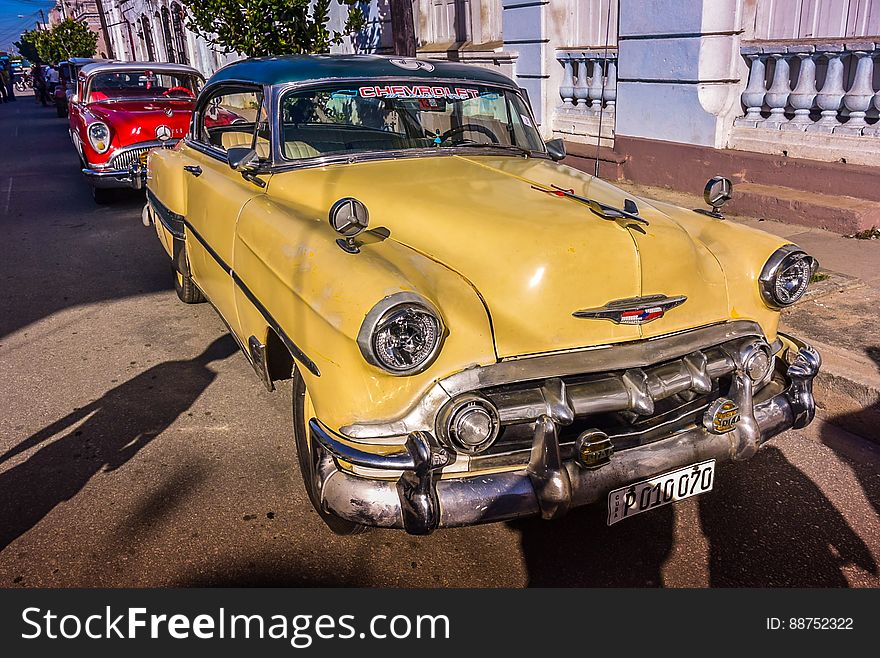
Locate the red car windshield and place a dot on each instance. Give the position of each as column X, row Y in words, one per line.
column 115, row 85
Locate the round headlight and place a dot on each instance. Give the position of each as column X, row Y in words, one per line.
column 402, row 334
column 99, row 136
column 469, row 424
column 786, row 275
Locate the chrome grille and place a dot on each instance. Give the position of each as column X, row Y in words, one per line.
column 127, row 158
column 633, row 407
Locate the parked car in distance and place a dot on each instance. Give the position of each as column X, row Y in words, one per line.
column 69, row 71
column 120, row 111
column 475, row 331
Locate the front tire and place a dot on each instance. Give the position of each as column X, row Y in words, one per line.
column 187, row 291
column 302, row 412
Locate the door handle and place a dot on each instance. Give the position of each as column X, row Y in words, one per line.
column 195, row 170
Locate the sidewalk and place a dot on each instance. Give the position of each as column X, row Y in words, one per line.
column 839, row 315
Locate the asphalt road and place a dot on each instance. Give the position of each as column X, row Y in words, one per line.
column 137, row 448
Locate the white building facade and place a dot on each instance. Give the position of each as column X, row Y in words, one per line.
column 155, row 30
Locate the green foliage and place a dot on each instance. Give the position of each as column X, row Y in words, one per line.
column 27, row 46
column 259, row 28
column 65, row 40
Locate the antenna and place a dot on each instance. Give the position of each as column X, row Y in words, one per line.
column 604, row 79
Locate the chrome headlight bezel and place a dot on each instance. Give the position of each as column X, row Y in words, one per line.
column 93, row 139
column 782, row 260
column 381, row 315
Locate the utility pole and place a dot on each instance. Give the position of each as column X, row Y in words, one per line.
column 42, row 25
column 106, row 32
column 402, row 27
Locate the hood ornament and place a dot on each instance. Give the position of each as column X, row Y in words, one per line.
column 635, row 310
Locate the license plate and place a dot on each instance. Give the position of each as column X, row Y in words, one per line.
column 660, row 490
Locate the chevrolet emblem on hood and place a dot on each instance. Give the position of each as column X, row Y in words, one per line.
column 635, row 310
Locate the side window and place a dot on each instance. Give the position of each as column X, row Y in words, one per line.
column 234, row 117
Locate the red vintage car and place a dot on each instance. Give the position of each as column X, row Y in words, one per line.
column 122, row 110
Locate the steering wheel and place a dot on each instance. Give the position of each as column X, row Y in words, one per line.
column 469, row 126
column 188, row 92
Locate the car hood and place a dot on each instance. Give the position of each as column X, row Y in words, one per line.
column 136, row 120
column 534, row 258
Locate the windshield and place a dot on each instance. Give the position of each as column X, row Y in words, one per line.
column 115, row 85
column 380, row 116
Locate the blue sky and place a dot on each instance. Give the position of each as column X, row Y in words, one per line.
column 10, row 23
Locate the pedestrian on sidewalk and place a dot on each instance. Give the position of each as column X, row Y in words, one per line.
column 4, row 78
column 39, row 84
column 10, row 83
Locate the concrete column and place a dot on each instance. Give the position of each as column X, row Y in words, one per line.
column 596, row 81
column 830, row 96
column 804, row 94
column 610, row 95
column 753, row 95
column 680, row 70
column 779, row 91
column 858, row 99
column 582, row 87
column 566, row 89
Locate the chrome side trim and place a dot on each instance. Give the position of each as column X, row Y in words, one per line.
column 600, row 359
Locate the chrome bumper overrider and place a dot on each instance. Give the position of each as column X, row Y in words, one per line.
column 419, row 501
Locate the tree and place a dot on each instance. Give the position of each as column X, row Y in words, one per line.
column 402, row 27
column 27, row 46
column 67, row 39
column 259, row 28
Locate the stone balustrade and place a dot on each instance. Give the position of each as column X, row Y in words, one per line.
column 589, row 82
column 813, row 87
column 588, row 94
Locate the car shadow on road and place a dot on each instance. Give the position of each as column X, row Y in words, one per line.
column 113, row 430
column 61, row 250
column 864, row 462
column 580, row 550
column 769, row 525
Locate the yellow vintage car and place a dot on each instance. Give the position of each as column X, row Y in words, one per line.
column 475, row 331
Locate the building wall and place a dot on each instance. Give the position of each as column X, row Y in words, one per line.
column 138, row 27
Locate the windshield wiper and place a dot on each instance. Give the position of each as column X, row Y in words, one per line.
column 603, row 210
column 505, row 147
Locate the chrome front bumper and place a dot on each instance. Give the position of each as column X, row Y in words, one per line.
column 419, row 501
column 134, row 177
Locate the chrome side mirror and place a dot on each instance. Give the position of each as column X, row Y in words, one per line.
column 556, row 149
column 718, row 191
column 241, row 158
